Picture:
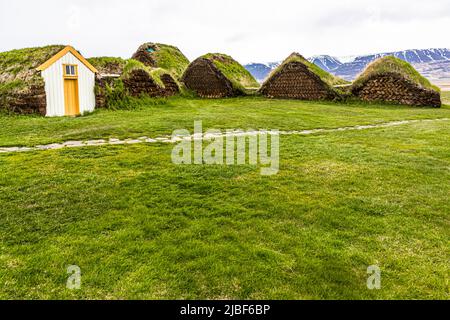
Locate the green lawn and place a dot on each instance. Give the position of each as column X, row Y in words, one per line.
column 163, row 116
column 141, row 227
column 445, row 96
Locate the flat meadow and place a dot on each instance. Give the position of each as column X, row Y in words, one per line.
column 141, row 227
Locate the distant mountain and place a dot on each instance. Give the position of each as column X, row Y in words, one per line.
column 327, row 63
column 261, row 70
column 438, row 72
column 432, row 63
column 350, row 70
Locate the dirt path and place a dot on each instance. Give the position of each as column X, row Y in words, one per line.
column 169, row 139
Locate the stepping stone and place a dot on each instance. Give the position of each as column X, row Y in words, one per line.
column 134, row 141
column 11, row 149
column 53, row 146
column 95, row 142
column 114, row 141
column 72, row 144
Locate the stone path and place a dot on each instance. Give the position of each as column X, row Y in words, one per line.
column 236, row 133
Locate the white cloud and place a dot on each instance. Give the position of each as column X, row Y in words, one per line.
column 249, row 30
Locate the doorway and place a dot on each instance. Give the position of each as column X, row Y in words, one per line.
column 71, row 98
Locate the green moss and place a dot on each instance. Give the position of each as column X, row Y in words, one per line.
column 241, row 79
column 392, row 64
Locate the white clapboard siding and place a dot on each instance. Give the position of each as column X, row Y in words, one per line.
column 54, row 86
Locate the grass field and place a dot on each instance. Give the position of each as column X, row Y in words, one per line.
column 160, row 117
column 141, row 227
column 445, row 97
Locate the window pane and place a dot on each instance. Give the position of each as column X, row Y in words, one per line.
column 72, row 70
column 68, row 70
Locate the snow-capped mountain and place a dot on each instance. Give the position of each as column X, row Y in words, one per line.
column 432, row 63
column 413, row 56
column 351, row 69
column 327, row 63
column 261, row 70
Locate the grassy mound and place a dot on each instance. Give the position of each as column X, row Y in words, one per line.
column 18, row 68
column 326, row 77
column 240, row 78
column 166, row 57
column 154, row 73
column 108, row 65
column 117, row 95
column 392, row 64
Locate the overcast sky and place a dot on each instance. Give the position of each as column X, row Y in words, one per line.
column 249, row 30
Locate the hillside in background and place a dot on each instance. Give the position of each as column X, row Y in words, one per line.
column 434, row 64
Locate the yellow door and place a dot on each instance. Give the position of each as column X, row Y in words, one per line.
column 71, row 97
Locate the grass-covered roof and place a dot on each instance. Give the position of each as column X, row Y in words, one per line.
column 326, row 77
column 390, row 64
column 18, row 67
column 154, row 73
column 108, row 65
column 166, row 57
column 240, row 77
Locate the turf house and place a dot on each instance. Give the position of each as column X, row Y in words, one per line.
column 119, row 78
column 140, row 79
column 390, row 79
column 167, row 57
column 217, row 76
column 52, row 81
column 297, row 78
